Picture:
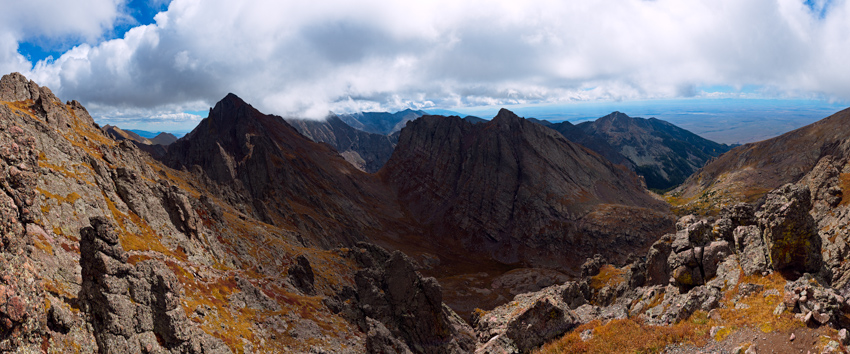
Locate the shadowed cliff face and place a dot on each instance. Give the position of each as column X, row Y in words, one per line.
column 280, row 176
column 512, row 188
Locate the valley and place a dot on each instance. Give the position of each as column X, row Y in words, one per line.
column 425, row 234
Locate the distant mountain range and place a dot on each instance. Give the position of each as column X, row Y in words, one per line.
column 476, row 236
column 664, row 154
column 381, row 122
column 140, row 136
column 366, row 151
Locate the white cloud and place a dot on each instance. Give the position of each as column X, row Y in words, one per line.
column 306, row 58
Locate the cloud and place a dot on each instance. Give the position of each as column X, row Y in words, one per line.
column 306, row 58
column 52, row 22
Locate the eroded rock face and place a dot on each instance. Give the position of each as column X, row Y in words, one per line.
column 390, row 291
column 519, row 191
column 22, row 313
column 751, row 249
column 528, row 321
column 135, row 308
column 789, row 232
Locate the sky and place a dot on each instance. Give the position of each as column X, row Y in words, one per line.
column 160, row 64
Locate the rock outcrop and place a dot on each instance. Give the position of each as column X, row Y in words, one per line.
column 528, row 321
column 391, row 294
column 135, row 308
column 789, row 232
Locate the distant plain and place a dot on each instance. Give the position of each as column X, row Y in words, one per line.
column 730, row 121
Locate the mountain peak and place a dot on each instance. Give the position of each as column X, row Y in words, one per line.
column 228, row 109
column 16, row 87
column 615, row 117
column 505, row 116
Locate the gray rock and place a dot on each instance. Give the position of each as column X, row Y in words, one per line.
column 789, row 231
column 657, row 270
column 301, row 275
column 148, row 306
column 379, row 340
column 527, row 322
column 752, row 252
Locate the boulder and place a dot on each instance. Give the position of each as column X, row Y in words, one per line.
column 751, row 250
column 789, row 231
column 657, row 271
column 527, row 322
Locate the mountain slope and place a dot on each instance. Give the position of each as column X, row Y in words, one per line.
column 664, row 154
column 383, row 123
column 163, row 139
column 119, row 134
column 748, row 172
column 366, row 151
column 282, row 177
column 515, row 189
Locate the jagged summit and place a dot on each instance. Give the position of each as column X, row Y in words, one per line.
column 509, row 188
column 505, row 117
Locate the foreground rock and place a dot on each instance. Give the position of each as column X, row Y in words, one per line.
column 391, row 297
column 789, row 232
column 135, row 308
column 528, row 321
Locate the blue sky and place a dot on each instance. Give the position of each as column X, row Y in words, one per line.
column 160, row 64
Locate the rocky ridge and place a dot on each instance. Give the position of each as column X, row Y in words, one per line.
column 721, row 266
column 366, row 151
column 516, row 189
column 746, row 173
column 662, row 153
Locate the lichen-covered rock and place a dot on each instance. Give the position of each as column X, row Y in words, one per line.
column 134, row 309
column 391, row 291
column 789, row 232
column 751, row 249
column 525, row 323
column 694, row 257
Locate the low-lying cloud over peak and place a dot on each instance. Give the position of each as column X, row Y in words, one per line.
column 308, row 58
